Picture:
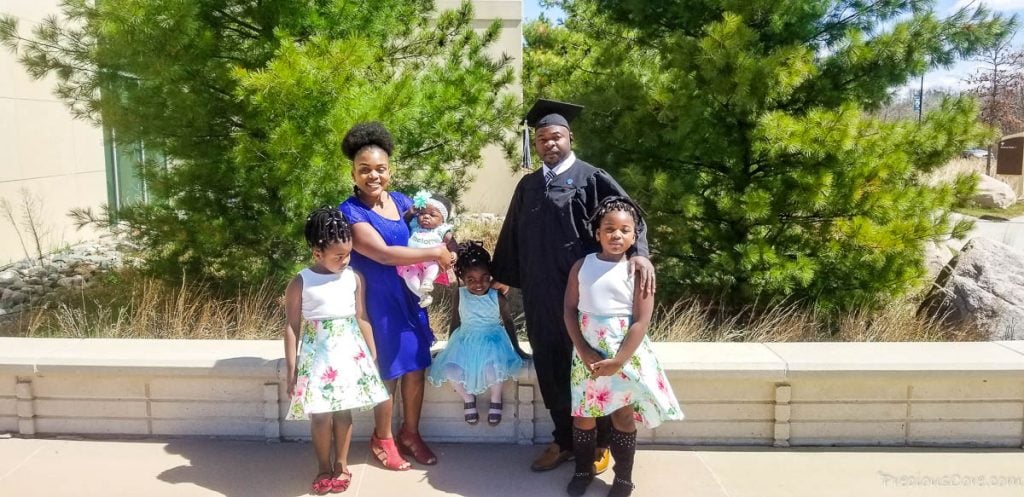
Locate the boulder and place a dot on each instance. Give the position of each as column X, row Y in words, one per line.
column 936, row 256
column 85, row 269
column 10, row 298
column 993, row 194
column 75, row 281
column 982, row 286
column 9, row 278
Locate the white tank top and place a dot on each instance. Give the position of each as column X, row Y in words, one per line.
column 606, row 288
column 328, row 296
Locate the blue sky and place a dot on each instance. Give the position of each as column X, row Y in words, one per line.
column 944, row 78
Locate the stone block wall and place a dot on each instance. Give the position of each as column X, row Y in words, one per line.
column 813, row 394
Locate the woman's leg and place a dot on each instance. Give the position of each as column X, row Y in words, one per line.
column 412, row 400
column 383, row 412
column 382, row 444
column 409, row 440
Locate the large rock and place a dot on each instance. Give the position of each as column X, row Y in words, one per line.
column 76, row 281
column 937, row 255
column 9, row 278
column 983, row 286
column 993, row 194
column 11, row 298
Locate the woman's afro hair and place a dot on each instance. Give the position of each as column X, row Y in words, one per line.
column 368, row 134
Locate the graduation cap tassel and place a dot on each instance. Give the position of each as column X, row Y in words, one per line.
column 527, row 161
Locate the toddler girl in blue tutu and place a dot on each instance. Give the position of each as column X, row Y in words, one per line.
column 482, row 352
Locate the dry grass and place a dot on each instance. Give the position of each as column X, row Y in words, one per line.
column 130, row 305
column 692, row 320
column 134, row 306
column 956, row 167
column 479, row 230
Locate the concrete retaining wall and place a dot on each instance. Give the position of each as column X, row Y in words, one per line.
column 783, row 394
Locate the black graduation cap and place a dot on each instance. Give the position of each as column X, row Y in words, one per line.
column 551, row 113
column 546, row 113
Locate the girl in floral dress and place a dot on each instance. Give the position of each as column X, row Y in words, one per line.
column 614, row 371
column 334, row 370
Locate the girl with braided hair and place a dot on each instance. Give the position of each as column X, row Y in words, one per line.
column 334, row 370
column 614, row 371
column 483, row 351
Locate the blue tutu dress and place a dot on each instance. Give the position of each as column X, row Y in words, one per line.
column 479, row 353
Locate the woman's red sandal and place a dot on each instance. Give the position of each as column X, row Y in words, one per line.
column 386, row 452
column 411, row 444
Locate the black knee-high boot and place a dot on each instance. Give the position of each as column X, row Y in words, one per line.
column 623, row 449
column 584, row 442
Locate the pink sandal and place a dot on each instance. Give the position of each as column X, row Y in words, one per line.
column 386, row 452
column 322, row 483
column 341, row 482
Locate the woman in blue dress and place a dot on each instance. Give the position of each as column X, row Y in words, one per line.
column 400, row 326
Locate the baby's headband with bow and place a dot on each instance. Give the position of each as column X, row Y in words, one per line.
column 424, row 198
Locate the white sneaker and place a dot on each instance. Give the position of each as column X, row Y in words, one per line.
column 426, row 287
column 426, row 300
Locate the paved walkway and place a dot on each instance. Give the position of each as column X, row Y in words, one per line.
column 194, row 467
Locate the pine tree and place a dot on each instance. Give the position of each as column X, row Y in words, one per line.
column 746, row 131
column 249, row 101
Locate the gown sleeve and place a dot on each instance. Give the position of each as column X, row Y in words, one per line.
column 606, row 186
column 505, row 264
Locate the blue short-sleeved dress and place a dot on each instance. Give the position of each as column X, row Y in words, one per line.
column 400, row 327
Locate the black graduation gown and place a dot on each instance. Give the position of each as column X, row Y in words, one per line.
column 546, row 230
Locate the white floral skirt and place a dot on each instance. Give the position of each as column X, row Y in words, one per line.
column 335, row 370
column 641, row 383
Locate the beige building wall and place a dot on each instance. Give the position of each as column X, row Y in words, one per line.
column 44, row 153
column 493, row 184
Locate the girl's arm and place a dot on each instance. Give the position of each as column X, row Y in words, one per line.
column 455, row 321
column 292, row 328
column 643, row 309
column 510, row 326
column 368, row 242
column 361, row 319
column 570, row 314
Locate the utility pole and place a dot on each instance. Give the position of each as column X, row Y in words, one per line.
column 992, row 115
column 920, row 100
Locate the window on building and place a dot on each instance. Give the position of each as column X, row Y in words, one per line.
column 126, row 183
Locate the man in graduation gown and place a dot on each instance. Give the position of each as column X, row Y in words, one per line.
column 546, row 230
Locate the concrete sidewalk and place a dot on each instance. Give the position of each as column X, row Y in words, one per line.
column 194, row 467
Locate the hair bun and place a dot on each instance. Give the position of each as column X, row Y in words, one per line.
column 471, row 254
